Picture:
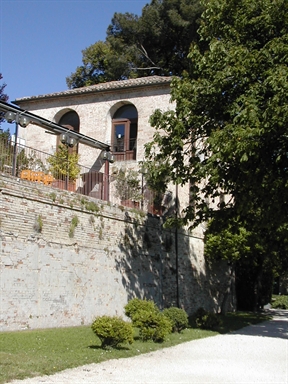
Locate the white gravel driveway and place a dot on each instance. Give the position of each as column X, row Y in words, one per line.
column 255, row 354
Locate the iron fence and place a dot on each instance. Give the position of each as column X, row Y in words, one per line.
column 39, row 167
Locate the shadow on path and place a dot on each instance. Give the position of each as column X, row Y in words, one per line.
column 277, row 327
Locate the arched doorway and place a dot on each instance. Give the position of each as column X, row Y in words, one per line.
column 124, row 133
column 71, row 121
column 65, row 160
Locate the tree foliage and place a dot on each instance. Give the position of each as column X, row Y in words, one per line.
column 155, row 43
column 228, row 134
column 127, row 186
column 3, row 96
column 64, row 163
column 6, row 149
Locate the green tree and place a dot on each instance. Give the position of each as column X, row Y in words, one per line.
column 7, row 154
column 6, row 149
column 3, row 96
column 96, row 61
column 64, row 163
column 228, row 135
column 128, row 185
column 155, row 43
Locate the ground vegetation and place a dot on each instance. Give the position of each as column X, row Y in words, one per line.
column 47, row 351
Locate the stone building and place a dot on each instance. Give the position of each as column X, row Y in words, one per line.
column 116, row 113
column 65, row 273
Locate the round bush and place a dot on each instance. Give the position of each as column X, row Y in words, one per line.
column 136, row 305
column 210, row 321
column 112, row 331
column 178, row 318
column 207, row 320
column 152, row 325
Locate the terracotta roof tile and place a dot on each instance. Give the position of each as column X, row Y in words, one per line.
column 121, row 84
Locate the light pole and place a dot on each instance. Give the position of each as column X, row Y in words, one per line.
column 176, row 248
column 18, row 118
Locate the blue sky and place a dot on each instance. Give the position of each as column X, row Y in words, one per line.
column 41, row 40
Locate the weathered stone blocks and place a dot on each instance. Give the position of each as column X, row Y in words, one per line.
column 49, row 279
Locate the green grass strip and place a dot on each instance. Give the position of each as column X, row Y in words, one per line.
column 44, row 352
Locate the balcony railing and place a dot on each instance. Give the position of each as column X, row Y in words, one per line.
column 33, row 165
column 122, row 154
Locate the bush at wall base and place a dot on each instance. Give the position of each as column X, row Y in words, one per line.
column 178, row 317
column 152, row 325
column 207, row 320
column 145, row 315
column 112, row 331
column 135, row 305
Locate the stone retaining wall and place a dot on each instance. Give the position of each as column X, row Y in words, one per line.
column 66, row 258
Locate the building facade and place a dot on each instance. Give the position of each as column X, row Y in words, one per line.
column 115, row 254
column 116, row 113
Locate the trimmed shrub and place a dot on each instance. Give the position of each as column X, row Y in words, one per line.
column 152, row 325
column 178, row 318
column 136, row 305
column 207, row 320
column 112, row 331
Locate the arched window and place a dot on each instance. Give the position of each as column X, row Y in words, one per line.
column 124, row 133
column 70, row 120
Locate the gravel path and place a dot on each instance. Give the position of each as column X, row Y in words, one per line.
column 255, row 354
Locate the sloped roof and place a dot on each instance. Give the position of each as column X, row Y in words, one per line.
column 112, row 85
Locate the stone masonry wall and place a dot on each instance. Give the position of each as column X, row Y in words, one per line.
column 95, row 112
column 66, row 258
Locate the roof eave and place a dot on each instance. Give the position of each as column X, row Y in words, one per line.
column 102, row 87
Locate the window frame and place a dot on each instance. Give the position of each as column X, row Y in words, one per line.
column 127, row 153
